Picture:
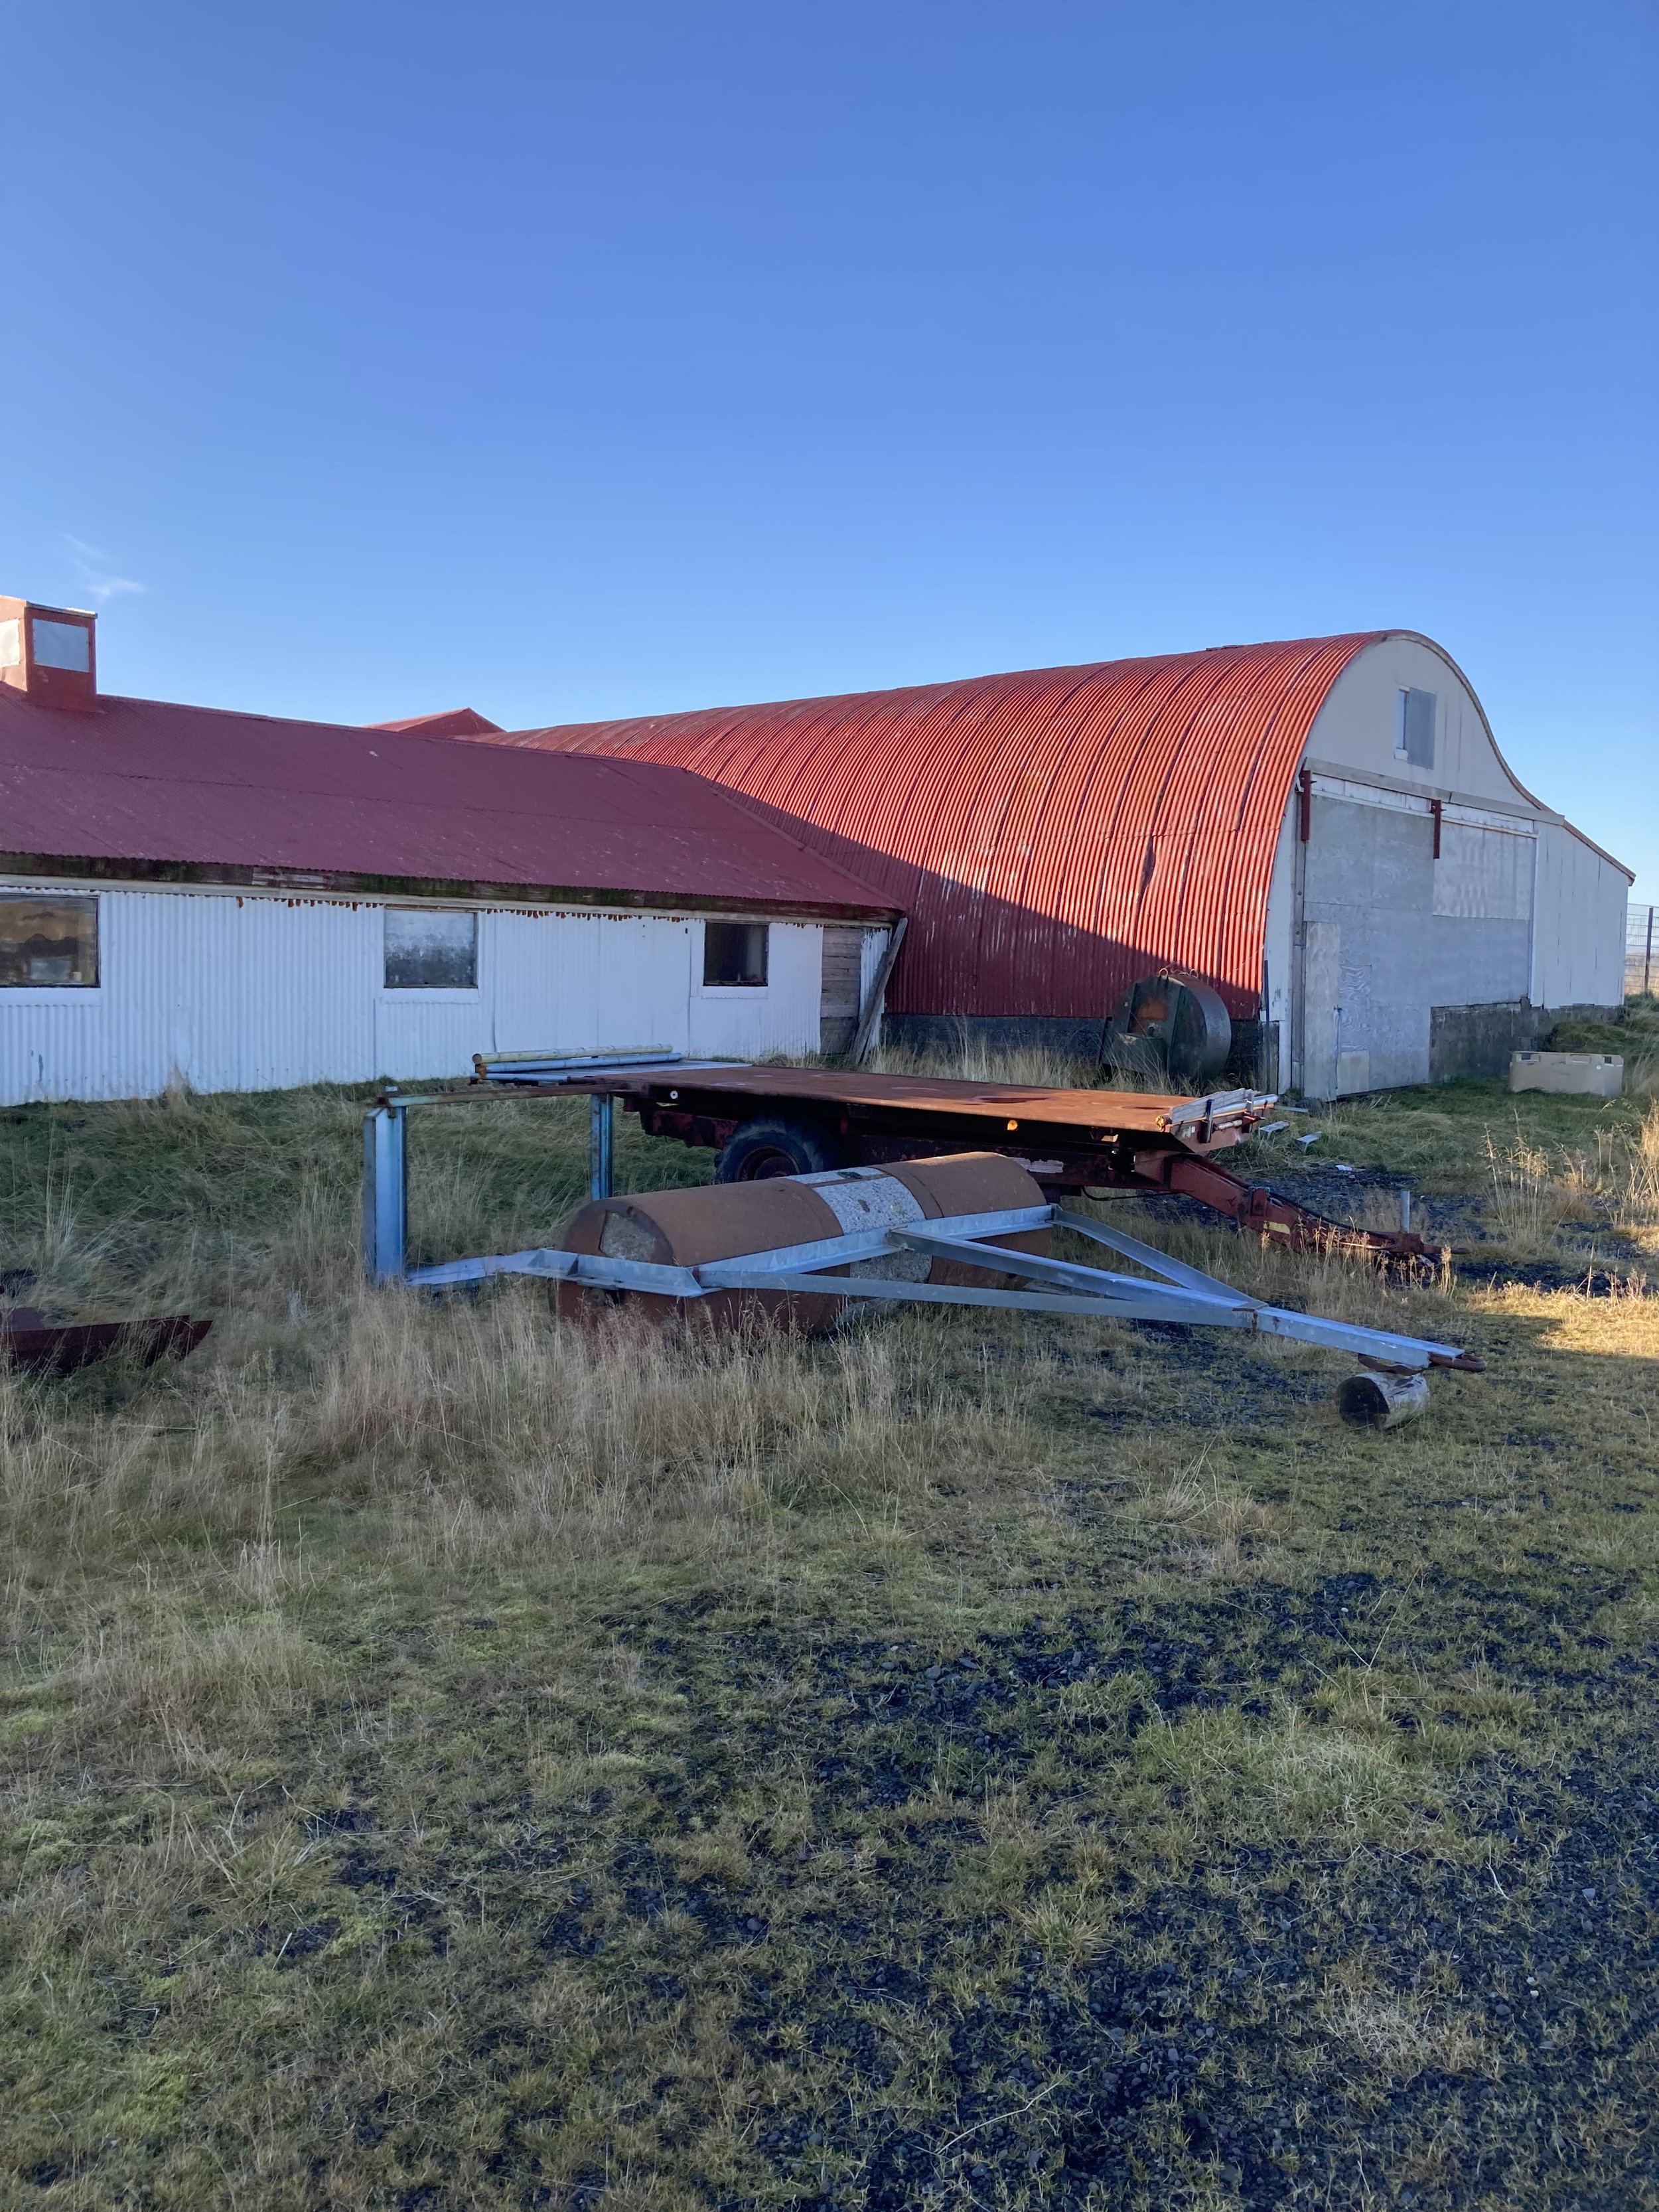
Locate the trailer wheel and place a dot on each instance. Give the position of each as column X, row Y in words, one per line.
column 767, row 1147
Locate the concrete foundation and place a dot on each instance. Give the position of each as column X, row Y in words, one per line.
column 1479, row 1040
column 1463, row 1041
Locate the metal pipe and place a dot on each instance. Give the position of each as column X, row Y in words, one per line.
column 385, row 1194
column 601, row 1144
column 1097, row 1282
column 1184, row 1294
column 1212, row 1314
column 1374, row 1400
column 1405, row 1211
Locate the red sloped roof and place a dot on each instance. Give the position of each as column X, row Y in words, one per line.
column 452, row 722
column 144, row 783
column 1052, row 834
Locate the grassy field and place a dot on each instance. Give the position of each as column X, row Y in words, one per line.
column 972, row 1761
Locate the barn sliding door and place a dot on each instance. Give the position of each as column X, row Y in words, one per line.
column 1413, row 962
column 1364, row 944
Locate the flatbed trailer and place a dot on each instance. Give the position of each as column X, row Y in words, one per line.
column 764, row 1120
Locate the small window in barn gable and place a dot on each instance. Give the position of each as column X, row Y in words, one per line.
column 427, row 950
column 734, row 952
column 62, row 644
column 48, row 942
column 1413, row 733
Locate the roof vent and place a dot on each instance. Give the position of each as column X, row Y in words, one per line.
column 50, row 654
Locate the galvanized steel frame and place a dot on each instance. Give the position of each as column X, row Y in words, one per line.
column 1181, row 1294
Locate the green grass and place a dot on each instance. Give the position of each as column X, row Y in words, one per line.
column 1441, row 1134
column 971, row 1761
column 1634, row 1038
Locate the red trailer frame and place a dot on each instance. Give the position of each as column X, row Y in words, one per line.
column 812, row 1118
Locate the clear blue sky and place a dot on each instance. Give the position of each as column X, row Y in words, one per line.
column 361, row 360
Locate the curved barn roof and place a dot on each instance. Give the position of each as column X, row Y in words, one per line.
column 1052, row 833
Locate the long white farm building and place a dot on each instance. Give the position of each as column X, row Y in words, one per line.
column 240, row 902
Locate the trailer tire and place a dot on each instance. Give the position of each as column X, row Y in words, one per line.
column 770, row 1147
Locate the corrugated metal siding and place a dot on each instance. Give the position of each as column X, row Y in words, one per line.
column 1578, row 925
column 1485, row 873
column 142, row 780
column 1051, row 834
column 259, row 992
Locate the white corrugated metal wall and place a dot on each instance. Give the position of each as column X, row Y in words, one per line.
column 255, row 991
column 1577, row 946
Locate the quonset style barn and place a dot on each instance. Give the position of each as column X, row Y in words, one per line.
column 247, row 904
column 1325, row 829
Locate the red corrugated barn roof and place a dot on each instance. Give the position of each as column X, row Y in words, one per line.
column 137, row 785
column 1052, row 834
column 453, row 722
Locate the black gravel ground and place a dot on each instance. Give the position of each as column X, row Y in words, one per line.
column 1188, row 2051
column 905, row 2042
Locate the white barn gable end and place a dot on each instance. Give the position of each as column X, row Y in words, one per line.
column 1428, row 916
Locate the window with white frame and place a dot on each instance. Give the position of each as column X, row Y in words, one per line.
column 431, row 949
column 48, row 944
column 734, row 953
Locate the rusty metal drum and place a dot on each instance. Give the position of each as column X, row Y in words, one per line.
column 724, row 1221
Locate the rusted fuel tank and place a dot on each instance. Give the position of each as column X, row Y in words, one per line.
column 723, row 1221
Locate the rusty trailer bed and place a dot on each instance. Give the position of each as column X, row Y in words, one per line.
column 1071, row 1140
column 1080, row 1137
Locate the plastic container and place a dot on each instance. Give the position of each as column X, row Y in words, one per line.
column 1583, row 1074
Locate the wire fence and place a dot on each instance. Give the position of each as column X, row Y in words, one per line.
column 1641, row 949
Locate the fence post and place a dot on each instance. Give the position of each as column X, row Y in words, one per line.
column 601, row 1144
column 1647, row 959
column 385, row 1194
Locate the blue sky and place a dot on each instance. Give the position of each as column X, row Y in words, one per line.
column 361, row 360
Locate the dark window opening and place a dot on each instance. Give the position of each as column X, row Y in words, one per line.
column 1413, row 737
column 428, row 950
column 50, row 943
column 734, row 952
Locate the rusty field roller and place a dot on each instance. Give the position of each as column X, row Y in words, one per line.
column 728, row 1221
column 955, row 1230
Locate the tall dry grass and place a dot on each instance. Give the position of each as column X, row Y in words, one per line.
column 165, row 1540
column 488, row 1428
column 971, row 1059
column 518, row 1433
column 1535, row 1190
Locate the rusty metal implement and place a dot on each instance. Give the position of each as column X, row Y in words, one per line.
column 820, row 1117
column 43, row 1348
column 801, row 1249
